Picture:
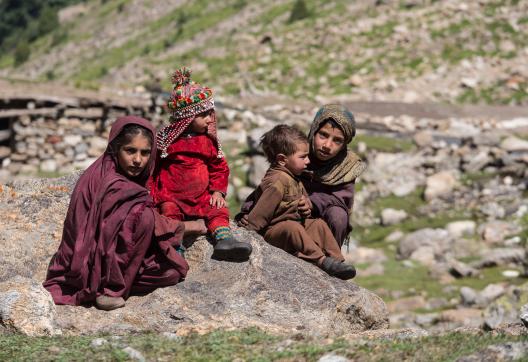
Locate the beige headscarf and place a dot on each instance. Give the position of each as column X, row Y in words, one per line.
column 346, row 165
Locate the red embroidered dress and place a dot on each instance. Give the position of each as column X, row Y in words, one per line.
column 185, row 179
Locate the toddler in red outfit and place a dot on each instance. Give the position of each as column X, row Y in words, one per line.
column 191, row 176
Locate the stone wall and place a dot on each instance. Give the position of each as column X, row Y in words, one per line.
column 51, row 135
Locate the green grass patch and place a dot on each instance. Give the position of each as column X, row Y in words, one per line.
column 410, row 203
column 384, row 144
column 247, row 345
column 399, row 277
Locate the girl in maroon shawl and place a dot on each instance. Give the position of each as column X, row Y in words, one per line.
column 333, row 170
column 114, row 243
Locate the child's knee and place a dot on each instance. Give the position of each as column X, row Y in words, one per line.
column 337, row 216
column 170, row 210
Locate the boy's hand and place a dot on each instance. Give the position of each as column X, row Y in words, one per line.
column 217, row 200
column 243, row 221
column 304, row 207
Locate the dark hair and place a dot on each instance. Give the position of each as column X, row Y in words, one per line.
column 281, row 139
column 331, row 122
column 127, row 134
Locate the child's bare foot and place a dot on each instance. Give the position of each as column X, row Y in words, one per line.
column 338, row 269
column 195, row 227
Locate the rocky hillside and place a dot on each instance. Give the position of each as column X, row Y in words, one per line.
column 410, row 50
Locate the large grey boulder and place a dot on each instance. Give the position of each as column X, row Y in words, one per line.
column 273, row 290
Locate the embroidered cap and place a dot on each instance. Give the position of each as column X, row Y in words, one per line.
column 188, row 98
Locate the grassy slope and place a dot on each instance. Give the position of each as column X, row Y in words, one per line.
column 246, row 345
column 434, row 37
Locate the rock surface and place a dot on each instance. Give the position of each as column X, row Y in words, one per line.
column 274, row 290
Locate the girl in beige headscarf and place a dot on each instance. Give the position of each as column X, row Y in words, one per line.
column 334, row 168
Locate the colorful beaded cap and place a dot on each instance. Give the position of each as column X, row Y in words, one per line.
column 188, row 98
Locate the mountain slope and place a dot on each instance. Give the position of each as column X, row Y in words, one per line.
column 370, row 50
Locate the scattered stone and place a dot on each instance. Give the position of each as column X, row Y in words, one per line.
column 440, row 184
column 98, row 342
column 437, row 239
column 394, row 236
column 461, row 270
column 494, row 232
column 407, row 304
column 511, row 273
column 362, row 255
column 458, row 229
column 391, row 216
column 468, row 317
column 510, row 351
column 501, row 256
column 332, row 357
column 512, row 144
column 468, row 296
column 524, row 315
column 423, row 138
column 490, row 293
column 134, row 354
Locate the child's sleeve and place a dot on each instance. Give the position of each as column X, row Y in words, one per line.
column 218, row 174
column 262, row 213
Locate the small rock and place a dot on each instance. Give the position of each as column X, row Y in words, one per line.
column 495, row 232
column 512, row 144
column 394, row 236
column 501, row 256
column 134, row 354
column 490, row 293
column 171, row 336
column 458, row 229
column 365, row 255
column 468, row 295
column 510, row 351
column 332, row 357
column 524, row 315
column 461, row 270
column 439, row 184
column 407, row 304
column 98, row 342
column 511, row 273
column 469, row 82
column 392, row 216
column 48, row 166
column 424, row 255
column 423, row 139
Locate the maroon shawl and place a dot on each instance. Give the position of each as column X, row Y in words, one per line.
column 108, row 234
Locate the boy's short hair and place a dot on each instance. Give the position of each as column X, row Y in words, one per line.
column 281, row 139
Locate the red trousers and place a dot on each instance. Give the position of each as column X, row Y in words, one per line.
column 213, row 217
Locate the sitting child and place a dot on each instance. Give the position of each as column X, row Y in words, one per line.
column 191, row 176
column 275, row 214
column 333, row 170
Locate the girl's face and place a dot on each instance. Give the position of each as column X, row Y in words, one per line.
column 201, row 122
column 328, row 141
column 133, row 157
